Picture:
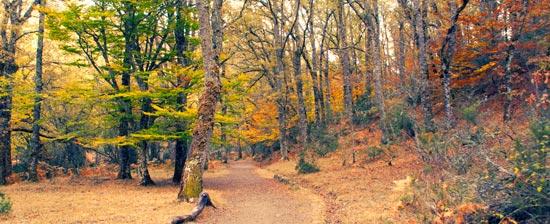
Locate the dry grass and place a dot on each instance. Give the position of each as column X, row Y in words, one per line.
column 364, row 192
column 97, row 200
column 241, row 192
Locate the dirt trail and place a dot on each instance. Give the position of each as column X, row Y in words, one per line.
column 242, row 192
column 247, row 194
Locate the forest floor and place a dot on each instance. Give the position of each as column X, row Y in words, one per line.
column 241, row 191
column 367, row 191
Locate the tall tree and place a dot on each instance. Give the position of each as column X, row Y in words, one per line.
column 182, row 33
column 302, row 114
column 343, row 53
column 446, row 54
column 126, row 40
column 314, row 68
column 14, row 16
column 515, row 20
column 191, row 186
column 420, row 8
column 36, row 145
column 324, row 73
column 371, row 18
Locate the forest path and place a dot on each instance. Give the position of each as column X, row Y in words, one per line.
column 248, row 194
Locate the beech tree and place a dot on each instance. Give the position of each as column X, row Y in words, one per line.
column 191, row 186
column 15, row 14
column 36, row 145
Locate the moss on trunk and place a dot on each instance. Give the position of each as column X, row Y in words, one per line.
column 192, row 179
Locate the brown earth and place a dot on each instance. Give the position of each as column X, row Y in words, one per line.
column 367, row 191
column 242, row 193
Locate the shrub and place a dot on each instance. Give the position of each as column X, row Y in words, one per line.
column 398, row 120
column 5, row 204
column 470, row 113
column 374, row 152
column 522, row 195
column 323, row 142
column 304, row 167
column 364, row 110
column 434, row 148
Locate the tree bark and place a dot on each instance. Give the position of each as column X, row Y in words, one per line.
column 401, row 54
column 302, row 115
column 447, row 52
column 125, row 105
column 328, row 90
column 144, row 170
column 377, row 59
column 279, row 76
column 511, row 36
column 180, row 157
column 13, row 18
column 145, row 122
column 36, row 145
column 181, row 33
column 239, row 149
column 314, row 71
column 191, row 186
column 324, row 81
column 345, row 63
column 420, row 8
column 223, row 137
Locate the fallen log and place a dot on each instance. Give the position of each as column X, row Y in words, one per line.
column 204, row 200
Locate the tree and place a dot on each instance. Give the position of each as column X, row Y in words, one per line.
column 126, row 40
column 420, row 8
column 446, row 54
column 371, row 18
column 182, row 34
column 325, row 67
column 343, row 53
column 14, row 16
column 515, row 20
column 191, row 186
column 36, row 145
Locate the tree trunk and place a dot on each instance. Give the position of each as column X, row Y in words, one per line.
column 181, row 156
column 36, row 145
column 344, row 61
column 328, row 89
column 125, row 110
column 324, row 82
column 191, row 186
column 281, row 109
column 11, row 22
column 302, row 116
column 511, row 36
column 223, row 137
column 144, row 170
column 507, row 115
column 125, row 104
column 239, row 149
column 446, row 54
column 401, row 54
column 124, row 171
column 279, row 76
column 181, row 33
column 377, row 59
column 426, row 90
column 145, row 123
column 314, row 72
column 5, row 130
